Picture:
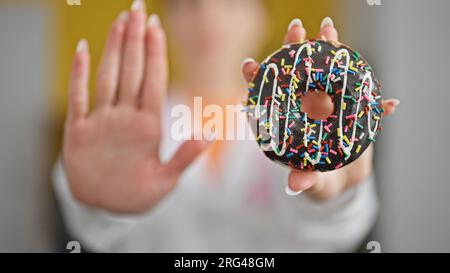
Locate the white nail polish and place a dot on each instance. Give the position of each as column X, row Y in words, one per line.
column 396, row 102
column 295, row 22
column 327, row 22
column 245, row 61
column 82, row 45
column 290, row 192
column 153, row 21
column 123, row 16
column 138, row 5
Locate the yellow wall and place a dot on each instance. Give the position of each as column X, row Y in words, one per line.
column 92, row 20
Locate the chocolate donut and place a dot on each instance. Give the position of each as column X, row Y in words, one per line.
column 286, row 134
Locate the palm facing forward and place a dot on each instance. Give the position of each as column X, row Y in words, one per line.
column 111, row 155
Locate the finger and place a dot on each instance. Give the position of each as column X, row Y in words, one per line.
column 327, row 30
column 133, row 58
column 79, row 80
column 299, row 181
column 389, row 106
column 155, row 83
column 328, row 185
column 109, row 69
column 296, row 32
column 186, row 154
column 249, row 68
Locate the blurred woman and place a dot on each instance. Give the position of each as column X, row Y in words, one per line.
column 117, row 191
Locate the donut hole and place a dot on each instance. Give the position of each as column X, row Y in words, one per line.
column 317, row 104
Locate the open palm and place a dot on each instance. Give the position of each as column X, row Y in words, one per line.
column 111, row 154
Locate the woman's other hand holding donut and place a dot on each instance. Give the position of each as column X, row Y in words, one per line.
column 323, row 185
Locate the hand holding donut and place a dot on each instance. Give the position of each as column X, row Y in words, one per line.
column 280, row 86
column 111, row 154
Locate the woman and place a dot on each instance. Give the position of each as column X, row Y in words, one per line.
column 119, row 194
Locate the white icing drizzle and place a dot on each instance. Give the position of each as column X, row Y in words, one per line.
column 369, row 91
column 274, row 66
column 257, row 109
column 367, row 78
column 338, row 55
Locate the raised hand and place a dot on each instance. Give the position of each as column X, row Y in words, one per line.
column 323, row 186
column 111, row 154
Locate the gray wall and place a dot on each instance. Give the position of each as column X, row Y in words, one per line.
column 25, row 211
column 407, row 41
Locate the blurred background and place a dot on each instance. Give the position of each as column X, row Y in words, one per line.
column 405, row 41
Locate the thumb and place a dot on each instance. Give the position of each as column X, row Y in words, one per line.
column 299, row 181
column 186, row 154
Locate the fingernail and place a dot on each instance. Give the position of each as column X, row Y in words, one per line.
column 290, row 192
column 138, row 5
column 82, row 45
column 295, row 22
column 396, row 102
column 327, row 22
column 246, row 61
column 123, row 16
column 153, row 21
